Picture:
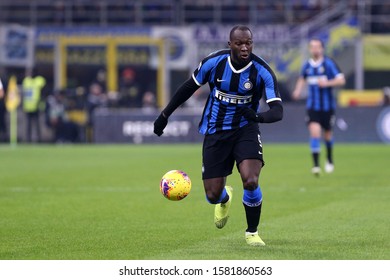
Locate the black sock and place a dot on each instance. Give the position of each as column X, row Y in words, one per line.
column 329, row 151
column 316, row 157
column 252, row 217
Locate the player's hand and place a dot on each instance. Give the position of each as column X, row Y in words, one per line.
column 323, row 83
column 159, row 124
column 296, row 95
column 251, row 115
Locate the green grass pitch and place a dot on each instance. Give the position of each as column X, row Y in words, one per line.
column 103, row 203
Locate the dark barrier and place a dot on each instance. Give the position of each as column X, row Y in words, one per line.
column 356, row 124
column 136, row 126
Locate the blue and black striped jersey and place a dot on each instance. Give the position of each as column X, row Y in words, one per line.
column 320, row 99
column 232, row 89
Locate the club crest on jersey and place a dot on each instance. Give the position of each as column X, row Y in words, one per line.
column 248, row 85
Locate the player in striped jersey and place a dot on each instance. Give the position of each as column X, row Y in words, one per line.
column 237, row 80
column 321, row 74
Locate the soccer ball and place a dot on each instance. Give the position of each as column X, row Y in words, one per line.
column 175, row 185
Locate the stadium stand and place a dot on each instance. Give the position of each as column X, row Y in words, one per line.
column 182, row 12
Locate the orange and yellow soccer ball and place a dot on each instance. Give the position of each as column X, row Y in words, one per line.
column 175, row 185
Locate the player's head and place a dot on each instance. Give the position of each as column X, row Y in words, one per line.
column 316, row 48
column 240, row 43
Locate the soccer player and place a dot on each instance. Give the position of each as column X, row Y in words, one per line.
column 321, row 74
column 237, row 79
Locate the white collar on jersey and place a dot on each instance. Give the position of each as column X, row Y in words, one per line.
column 316, row 63
column 239, row 70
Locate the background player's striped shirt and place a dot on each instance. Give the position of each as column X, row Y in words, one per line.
column 320, row 99
column 231, row 89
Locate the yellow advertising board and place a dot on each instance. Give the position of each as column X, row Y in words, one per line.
column 376, row 53
column 367, row 98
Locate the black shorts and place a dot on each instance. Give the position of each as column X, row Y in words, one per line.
column 325, row 118
column 222, row 149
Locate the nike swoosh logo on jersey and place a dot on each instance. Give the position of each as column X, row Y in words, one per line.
column 219, row 80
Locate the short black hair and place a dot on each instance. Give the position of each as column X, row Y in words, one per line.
column 318, row 40
column 239, row 27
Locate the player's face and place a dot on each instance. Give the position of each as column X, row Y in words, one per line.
column 241, row 45
column 316, row 50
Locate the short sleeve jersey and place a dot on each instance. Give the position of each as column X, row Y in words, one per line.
column 232, row 89
column 320, row 99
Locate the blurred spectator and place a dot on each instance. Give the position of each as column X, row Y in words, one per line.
column 32, row 87
column 3, row 127
column 65, row 131
column 101, row 79
column 96, row 98
column 149, row 102
column 130, row 93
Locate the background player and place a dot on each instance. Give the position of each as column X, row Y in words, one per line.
column 321, row 74
column 237, row 79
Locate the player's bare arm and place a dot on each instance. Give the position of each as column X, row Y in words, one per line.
column 298, row 88
column 338, row 81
